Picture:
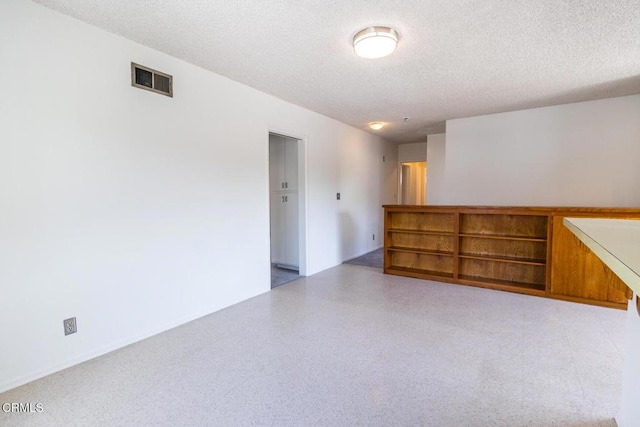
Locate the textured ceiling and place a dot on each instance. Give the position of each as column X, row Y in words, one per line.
column 456, row 58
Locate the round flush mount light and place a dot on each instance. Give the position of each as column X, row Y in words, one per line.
column 376, row 125
column 375, row 42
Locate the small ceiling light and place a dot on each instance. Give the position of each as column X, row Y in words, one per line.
column 376, row 125
column 375, row 42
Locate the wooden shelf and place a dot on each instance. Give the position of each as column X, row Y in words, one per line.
column 419, row 250
column 414, row 261
column 502, row 283
column 419, row 272
column 429, row 222
column 502, row 258
column 437, row 233
column 423, row 241
column 502, row 272
column 504, row 237
column 504, row 225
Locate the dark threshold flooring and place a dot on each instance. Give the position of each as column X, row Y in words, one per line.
column 280, row 276
column 371, row 259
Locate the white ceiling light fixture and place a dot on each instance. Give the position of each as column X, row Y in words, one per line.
column 376, row 125
column 375, row 42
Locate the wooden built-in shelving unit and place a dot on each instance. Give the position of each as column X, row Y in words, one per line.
column 422, row 243
column 501, row 248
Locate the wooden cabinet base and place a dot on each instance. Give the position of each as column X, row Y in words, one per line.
column 517, row 249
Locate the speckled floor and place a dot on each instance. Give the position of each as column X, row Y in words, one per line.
column 351, row 346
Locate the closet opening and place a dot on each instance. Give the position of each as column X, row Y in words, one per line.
column 413, row 183
column 286, row 196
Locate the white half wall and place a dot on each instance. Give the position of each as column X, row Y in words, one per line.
column 583, row 154
column 436, row 157
column 629, row 415
column 135, row 212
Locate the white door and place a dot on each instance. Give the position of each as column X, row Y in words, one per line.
column 283, row 191
column 291, row 231
column 291, row 164
column 276, row 163
column 278, row 228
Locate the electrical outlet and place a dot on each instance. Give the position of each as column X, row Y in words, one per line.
column 374, row 237
column 338, row 196
column 70, row 326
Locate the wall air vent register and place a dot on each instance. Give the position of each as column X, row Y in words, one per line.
column 150, row 79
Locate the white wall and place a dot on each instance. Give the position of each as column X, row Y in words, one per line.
column 391, row 178
column 363, row 182
column 436, row 150
column 414, row 152
column 136, row 212
column 583, row 154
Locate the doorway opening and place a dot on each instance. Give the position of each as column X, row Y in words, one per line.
column 286, row 193
column 413, row 183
